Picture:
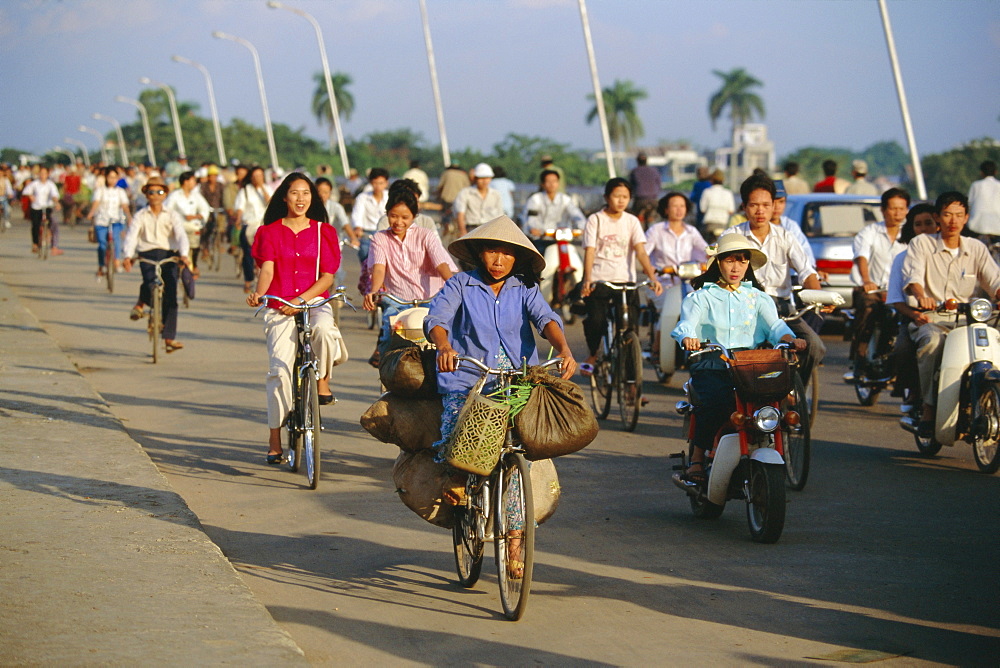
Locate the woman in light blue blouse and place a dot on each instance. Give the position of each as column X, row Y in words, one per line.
column 730, row 308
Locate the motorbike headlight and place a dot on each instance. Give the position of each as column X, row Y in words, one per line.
column 766, row 419
column 689, row 270
column 980, row 310
column 564, row 234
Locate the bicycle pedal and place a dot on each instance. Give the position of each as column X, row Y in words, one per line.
column 676, row 455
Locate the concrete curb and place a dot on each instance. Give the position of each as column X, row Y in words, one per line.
column 101, row 562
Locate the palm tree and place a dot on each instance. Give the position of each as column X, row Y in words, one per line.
column 624, row 125
column 321, row 101
column 736, row 94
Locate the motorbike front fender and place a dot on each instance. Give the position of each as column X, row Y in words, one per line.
column 767, row 456
column 727, row 458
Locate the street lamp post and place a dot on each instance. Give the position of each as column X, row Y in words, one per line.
column 260, row 86
column 326, row 77
column 68, row 154
column 100, row 140
column 432, row 65
column 150, row 155
column 121, row 137
column 83, row 149
column 598, row 95
column 211, row 104
column 146, row 81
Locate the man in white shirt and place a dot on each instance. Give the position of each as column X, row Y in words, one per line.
column 44, row 198
column 369, row 207
column 419, row 176
column 717, row 204
column 188, row 202
column 984, row 201
column 549, row 209
column 859, row 170
column 478, row 203
column 784, row 253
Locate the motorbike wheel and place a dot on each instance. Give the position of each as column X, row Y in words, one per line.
column 766, row 505
column 867, row 393
column 797, row 442
column 984, row 446
column 704, row 509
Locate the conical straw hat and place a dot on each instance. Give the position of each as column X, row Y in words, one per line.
column 499, row 229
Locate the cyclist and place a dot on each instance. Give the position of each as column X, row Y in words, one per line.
column 109, row 210
column 298, row 257
column 407, row 260
column 157, row 234
column 369, row 206
column 728, row 307
column 251, row 201
column 613, row 239
column 44, row 197
column 187, row 202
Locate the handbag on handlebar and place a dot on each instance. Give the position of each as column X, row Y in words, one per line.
column 479, row 433
column 761, row 375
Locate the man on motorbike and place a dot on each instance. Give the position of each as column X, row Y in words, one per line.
column 549, row 209
column 939, row 267
column 784, row 253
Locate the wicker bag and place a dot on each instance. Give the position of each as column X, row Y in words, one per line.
column 479, row 433
column 761, row 375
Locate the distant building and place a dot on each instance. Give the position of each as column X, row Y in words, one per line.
column 676, row 163
column 753, row 149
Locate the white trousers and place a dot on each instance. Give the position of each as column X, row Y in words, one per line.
column 282, row 339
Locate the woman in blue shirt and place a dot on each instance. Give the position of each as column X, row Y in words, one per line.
column 730, row 308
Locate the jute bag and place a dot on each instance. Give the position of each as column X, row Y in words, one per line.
column 419, row 480
column 556, row 420
column 479, row 433
column 412, row 424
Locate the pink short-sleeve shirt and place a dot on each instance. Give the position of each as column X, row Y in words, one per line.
column 294, row 256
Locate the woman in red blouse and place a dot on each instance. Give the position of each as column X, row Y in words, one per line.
column 298, row 257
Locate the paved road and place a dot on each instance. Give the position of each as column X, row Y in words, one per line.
column 884, row 552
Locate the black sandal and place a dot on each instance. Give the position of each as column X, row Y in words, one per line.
column 697, row 477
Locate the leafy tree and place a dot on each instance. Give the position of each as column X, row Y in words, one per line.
column 343, row 98
column 738, row 96
column 624, row 124
column 886, row 158
column 958, row 168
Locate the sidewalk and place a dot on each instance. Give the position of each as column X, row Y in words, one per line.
column 100, row 561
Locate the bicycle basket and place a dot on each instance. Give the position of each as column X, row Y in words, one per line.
column 762, row 376
column 479, row 434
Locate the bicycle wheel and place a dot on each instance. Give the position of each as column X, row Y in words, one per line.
column 601, row 380
column 629, row 380
column 514, row 518
column 294, row 426
column 468, row 535
column 310, row 429
column 109, row 262
column 812, row 396
column 796, row 439
column 155, row 323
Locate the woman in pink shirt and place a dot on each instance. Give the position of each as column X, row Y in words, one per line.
column 298, row 257
column 407, row 261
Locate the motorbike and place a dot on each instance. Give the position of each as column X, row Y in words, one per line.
column 747, row 461
column 968, row 381
column 874, row 369
column 563, row 270
column 666, row 357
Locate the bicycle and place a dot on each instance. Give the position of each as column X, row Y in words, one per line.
column 45, row 235
column 155, row 326
column 493, row 505
column 304, row 423
column 109, row 259
column 619, row 361
column 213, row 246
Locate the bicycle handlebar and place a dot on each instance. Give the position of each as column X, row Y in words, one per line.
column 337, row 295
column 621, row 286
column 496, row 372
column 404, row 302
column 158, row 263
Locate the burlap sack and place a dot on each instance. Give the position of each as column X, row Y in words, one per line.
column 412, row 424
column 409, row 372
column 557, row 420
column 545, row 489
column 418, row 482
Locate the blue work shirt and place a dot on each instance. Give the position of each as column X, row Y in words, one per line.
column 744, row 318
column 479, row 322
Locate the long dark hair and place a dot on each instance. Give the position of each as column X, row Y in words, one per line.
column 278, row 209
column 713, row 274
column 522, row 263
column 405, row 192
column 248, row 177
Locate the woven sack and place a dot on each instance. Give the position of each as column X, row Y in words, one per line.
column 412, row 424
column 409, row 371
column 545, row 489
column 479, row 433
column 762, row 376
column 419, row 480
column 556, row 420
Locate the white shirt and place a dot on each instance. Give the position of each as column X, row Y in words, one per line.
column 894, row 292
column 717, row 204
column 109, row 203
column 337, row 214
column 669, row 249
column 542, row 213
column 43, row 195
column 796, row 231
column 477, row 208
column 151, row 232
column 872, row 243
column 194, row 204
column 252, row 203
column 784, row 253
column 614, row 244
column 419, row 177
column 984, row 206
column 367, row 210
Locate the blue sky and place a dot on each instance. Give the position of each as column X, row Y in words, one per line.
column 515, row 65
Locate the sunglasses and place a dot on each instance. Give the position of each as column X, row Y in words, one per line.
column 158, row 191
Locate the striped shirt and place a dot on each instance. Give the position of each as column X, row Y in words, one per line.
column 411, row 263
